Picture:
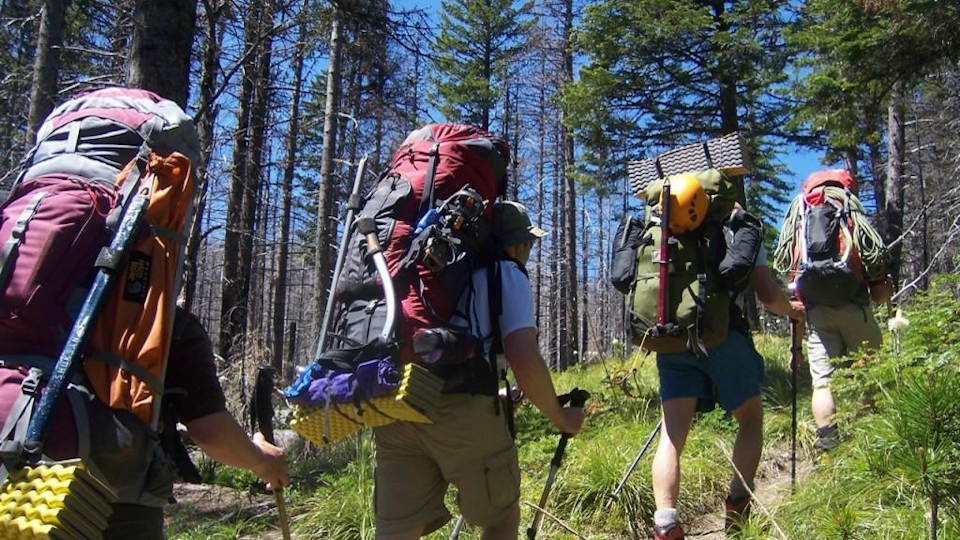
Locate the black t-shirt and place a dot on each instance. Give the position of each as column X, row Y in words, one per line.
column 192, row 371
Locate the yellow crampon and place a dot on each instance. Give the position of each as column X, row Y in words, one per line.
column 416, row 396
column 62, row 501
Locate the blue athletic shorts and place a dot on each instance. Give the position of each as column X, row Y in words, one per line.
column 731, row 373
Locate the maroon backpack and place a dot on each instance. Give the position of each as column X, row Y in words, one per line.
column 432, row 209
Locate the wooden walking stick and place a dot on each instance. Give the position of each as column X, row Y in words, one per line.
column 263, row 415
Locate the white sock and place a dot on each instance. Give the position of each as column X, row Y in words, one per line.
column 667, row 516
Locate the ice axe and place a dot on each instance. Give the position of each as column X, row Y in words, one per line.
column 263, row 415
column 576, row 398
column 633, row 466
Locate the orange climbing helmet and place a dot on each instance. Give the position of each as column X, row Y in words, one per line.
column 688, row 203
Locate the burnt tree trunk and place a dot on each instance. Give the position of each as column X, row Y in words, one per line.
column 893, row 206
column 46, row 66
column 161, row 46
column 328, row 187
column 289, row 168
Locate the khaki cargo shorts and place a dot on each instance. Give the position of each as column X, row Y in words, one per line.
column 468, row 445
column 836, row 332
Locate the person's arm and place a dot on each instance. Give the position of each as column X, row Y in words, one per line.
column 772, row 296
column 523, row 355
column 221, row 437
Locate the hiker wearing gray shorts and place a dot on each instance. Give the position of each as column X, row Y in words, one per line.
column 836, row 332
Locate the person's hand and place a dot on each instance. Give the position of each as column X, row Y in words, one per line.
column 571, row 422
column 797, row 312
column 272, row 465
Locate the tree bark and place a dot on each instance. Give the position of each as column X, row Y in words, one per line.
column 259, row 115
column 232, row 316
column 289, row 168
column 325, row 198
column 893, row 209
column 46, row 66
column 569, row 345
column 205, row 120
column 160, row 47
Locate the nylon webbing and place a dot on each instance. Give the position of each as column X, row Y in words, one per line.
column 136, row 370
column 12, row 245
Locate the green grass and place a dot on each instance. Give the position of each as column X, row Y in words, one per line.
column 877, row 485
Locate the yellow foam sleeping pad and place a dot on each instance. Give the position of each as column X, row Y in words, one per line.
column 414, row 399
column 62, row 501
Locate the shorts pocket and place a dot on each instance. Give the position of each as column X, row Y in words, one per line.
column 503, row 478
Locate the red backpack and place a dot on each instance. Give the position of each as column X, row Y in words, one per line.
column 432, row 210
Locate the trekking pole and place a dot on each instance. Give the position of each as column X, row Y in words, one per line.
column 456, row 528
column 577, row 398
column 353, row 204
column 796, row 349
column 263, row 415
column 633, row 466
column 109, row 264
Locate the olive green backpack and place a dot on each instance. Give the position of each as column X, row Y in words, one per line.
column 699, row 307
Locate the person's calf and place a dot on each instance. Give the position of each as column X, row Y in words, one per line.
column 506, row 528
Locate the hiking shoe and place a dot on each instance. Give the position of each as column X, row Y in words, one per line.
column 736, row 513
column 668, row 532
column 828, row 438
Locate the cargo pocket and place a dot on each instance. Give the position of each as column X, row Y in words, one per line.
column 503, row 479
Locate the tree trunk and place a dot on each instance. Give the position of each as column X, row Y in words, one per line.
column 206, row 117
column 259, row 115
column 46, row 66
column 893, row 210
column 232, row 305
column 569, row 345
column 289, row 168
column 160, row 47
column 325, row 198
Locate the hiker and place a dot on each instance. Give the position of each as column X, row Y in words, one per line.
column 732, row 374
column 689, row 312
column 198, row 403
column 836, row 284
column 469, row 443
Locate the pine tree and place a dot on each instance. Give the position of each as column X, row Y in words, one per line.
column 478, row 42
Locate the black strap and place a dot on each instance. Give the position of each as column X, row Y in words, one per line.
column 428, row 199
column 701, row 301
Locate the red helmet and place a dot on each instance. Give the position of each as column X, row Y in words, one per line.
column 831, row 177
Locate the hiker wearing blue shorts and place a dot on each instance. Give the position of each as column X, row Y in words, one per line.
column 731, row 374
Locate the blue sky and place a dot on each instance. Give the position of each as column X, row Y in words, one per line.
column 801, row 162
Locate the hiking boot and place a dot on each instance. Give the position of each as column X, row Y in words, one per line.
column 736, row 513
column 668, row 532
column 828, row 438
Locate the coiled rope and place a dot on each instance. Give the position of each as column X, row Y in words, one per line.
column 869, row 244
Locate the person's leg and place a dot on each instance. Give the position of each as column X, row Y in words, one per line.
column 412, row 534
column 678, row 414
column 134, row 522
column 825, row 342
column 823, row 406
column 409, row 487
column 748, row 446
column 506, row 528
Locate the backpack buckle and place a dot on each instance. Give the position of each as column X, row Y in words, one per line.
column 31, row 384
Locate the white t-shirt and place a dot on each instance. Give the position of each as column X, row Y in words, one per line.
column 473, row 310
